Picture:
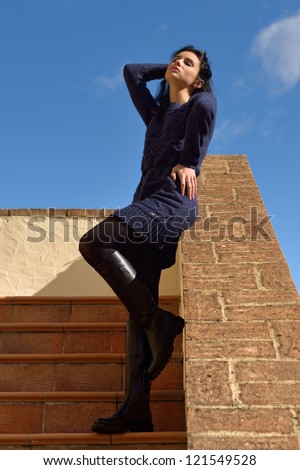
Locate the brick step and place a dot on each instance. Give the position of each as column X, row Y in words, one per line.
column 85, row 441
column 70, row 309
column 59, row 338
column 59, row 412
column 76, row 372
column 63, row 364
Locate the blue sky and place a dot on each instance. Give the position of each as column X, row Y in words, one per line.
column 69, row 135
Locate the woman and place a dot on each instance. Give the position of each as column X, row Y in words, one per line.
column 131, row 247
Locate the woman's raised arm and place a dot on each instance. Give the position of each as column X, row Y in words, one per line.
column 136, row 77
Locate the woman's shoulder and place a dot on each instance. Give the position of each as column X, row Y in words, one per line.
column 204, row 100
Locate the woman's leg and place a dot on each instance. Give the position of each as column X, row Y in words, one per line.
column 134, row 413
column 96, row 246
column 133, row 271
column 102, row 247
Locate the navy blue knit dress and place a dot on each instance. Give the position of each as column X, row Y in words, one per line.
column 179, row 135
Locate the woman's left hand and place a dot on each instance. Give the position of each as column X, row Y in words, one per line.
column 188, row 180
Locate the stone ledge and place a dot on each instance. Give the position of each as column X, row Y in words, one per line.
column 53, row 212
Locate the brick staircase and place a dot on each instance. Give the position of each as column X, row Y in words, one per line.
column 62, row 364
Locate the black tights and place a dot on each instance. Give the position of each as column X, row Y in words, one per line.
column 113, row 234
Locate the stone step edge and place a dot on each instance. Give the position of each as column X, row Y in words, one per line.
column 73, row 358
column 77, row 397
column 54, row 300
column 62, row 327
column 36, row 440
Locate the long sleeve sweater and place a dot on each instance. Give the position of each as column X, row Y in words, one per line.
column 182, row 133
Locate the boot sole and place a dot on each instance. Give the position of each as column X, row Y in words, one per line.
column 178, row 327
column 107, row 429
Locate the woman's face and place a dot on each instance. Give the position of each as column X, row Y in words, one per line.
column 183, row 71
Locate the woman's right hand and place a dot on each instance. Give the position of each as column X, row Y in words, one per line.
column 188, row 180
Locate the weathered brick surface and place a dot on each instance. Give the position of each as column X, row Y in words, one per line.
column 242, row 313
column 268, row 371
column 264, row 312
column 207, row 383
column 203, row 305
column 247, row 441
column 288, row 337
column 242, row 420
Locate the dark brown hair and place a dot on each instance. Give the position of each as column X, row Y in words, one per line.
column 205, row 74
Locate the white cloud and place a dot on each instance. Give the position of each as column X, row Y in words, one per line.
column 109, row 82
column 230, row 130
column 241, row 87
column 278, row 48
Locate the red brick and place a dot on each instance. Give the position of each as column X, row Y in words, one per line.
column 94, row 342
column 6, row 312
column 53, row 212
column 213, row 165
column 88, row 377
column 240, row 167
column 229, row 349
column 30, row 343
column 19, row 212
column 207, row 384
column 263, row 312
column 168, row 416
column 99, row 313
column 137, row 440
column 4, row 212
column 76, row 212
column 206, row 231
column 26, row 377
column 171, row 377
column 240, row 420
column 248, row 195
column 288, row 337
column 201, row 253
column 270, row 394
column 21, row 418
column 256, row 251
column 260, row 296
column 226, row 340
column 232, row 209
column 75, row 417
column 202, row 305
column 41, row 313
column 227, row 331
column 249, row 442
column 224, row 194
column 234, row 179
column 267, row 371
column 218, row 277
column 42, row 212
column 276, row 276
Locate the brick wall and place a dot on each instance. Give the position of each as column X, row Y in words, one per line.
column 242, row 312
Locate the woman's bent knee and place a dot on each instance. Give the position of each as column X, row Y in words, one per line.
column 93, row 251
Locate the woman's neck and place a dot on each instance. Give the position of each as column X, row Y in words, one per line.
column 179, row 96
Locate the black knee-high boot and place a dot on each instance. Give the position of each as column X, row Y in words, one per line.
column 134, row 414
column 159, row 326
